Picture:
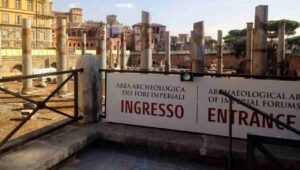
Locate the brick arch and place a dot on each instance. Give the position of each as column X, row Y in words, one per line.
column 54, row 65
column 18, row 67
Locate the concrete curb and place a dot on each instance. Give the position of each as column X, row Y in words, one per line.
column 50, row 150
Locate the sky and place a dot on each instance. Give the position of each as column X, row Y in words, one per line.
column 179, row 15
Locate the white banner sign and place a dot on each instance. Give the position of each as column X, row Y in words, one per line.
column 163, row 101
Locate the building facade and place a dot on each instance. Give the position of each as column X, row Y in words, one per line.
column 38, row 11
column 158, row 41
column 180, row 42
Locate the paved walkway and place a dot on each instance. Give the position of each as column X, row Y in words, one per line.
column 115, row 158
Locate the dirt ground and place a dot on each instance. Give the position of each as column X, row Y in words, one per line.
column 10, row 108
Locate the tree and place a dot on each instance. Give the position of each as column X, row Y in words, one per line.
column 290, row 27
column 236, row 40
column 294, row 41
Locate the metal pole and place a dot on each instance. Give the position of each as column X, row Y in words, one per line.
column 230, row 135
column 1, row 60
column 250, row 153
column 76, row 114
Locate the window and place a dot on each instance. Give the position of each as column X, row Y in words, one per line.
column 42, row 36
column 31, row 20
column 42, row 22
column 30, row 6
column 4, row 3
column 18, row 19
column 41, row 8
column 5, row 18
column 18, row 4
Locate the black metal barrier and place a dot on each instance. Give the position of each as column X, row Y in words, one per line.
column 40, row 105
column 255, row 140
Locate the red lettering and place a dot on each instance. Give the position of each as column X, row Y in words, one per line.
column 290, row 121
column 267, row 122
column 122, row 107
column 169, row 108
column 162, row 110
column 254, row 119
column 243, row 118
column 137, row 109
column 210, row 114
column 146, row 108
column 278, row 117
column 222, row 116
column 128, row 107
column 153, row 109
column 179, row 111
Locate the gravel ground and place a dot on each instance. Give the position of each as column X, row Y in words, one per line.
column 10, row 108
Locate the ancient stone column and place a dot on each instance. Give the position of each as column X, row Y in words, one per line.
column 89, row 85
column 146, row 53
column 26, row 55
column 249, row 44
column 123, row 51
column 101, row 46
column 83, row 44
column 220, row 52
column 167, row 52
column 111, row 55
column 101, row 56
column 199, row 48
column 118, row 54
column 1, row 62
column 260, row 60
column 281, row 49
column 61, row 52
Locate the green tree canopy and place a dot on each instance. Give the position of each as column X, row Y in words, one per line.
column 293, row 41
column 290, row 27
column 236, row 40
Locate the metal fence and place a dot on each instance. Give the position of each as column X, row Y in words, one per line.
column 41, row 104
column 255, row 140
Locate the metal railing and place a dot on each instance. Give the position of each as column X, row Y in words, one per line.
column 255, row 140
column 40, row 104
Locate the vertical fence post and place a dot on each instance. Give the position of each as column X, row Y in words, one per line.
column 250, row 153
column 1, row 62
column 230, row 135
column 76, row 95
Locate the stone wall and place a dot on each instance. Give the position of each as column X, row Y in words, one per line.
column 13, row 65
column 183, row 60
